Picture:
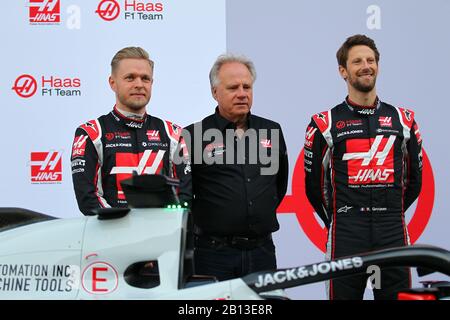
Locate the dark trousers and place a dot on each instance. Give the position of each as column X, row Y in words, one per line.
column 354, row 234
column 227, row 262
column 393, row 280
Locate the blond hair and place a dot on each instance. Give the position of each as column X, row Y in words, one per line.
column 130, row 53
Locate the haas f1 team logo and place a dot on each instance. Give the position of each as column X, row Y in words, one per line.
column 373, row 166
column 108, row 10
column 25, row 86
column 44, row 12
column 46, row 167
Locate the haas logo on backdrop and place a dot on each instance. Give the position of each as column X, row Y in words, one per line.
column 110, row 10
column 46, row 167
column 26, row 86
column 44, row 12
column 48, row 12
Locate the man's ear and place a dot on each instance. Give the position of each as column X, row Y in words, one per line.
column 214, row 93
column 343, row 72
column 112, row 83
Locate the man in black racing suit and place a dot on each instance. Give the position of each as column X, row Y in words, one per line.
column 363, row 169
column 125, row 141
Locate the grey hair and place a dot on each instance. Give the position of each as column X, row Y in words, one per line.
column 227, row 58
column 130, row 53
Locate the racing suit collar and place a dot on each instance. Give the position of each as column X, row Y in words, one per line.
column 223, row 123
column 127, row 121
column 363, row 110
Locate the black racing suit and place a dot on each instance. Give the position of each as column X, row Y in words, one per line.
column 363, row 169
column 109, row 149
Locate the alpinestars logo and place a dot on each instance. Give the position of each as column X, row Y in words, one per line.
column 373, row 166
column 44, row 12
column 407, row 114
column 46, row 167
column 147, row 162
column 344, row 209
column 321, row 117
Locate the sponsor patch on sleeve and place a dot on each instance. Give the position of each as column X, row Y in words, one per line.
column 407, row 116
column 173, row 130
column 92, row 129
column 79, row 146
column 309, row 137
column 322, row 120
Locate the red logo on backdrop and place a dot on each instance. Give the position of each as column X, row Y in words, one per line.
column 153, row 135
column 25, row 86
column 99, row 278
column 148, row 162
column 46, row 167
column 44, row 11
column 108, row 10
column 79, row 146
column 340, row 124
column 370, row 166
column 109, row 136
column 298, row 203
column 385, row 121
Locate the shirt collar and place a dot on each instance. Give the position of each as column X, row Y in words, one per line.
column 129, row 122
column 223, row 123
column 363, row 110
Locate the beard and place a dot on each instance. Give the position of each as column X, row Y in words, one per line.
column 362, row 86
column 133, row 103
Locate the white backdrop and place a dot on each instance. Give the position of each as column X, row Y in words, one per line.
column 183, row 44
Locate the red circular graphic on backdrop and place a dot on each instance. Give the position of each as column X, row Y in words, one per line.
column 298, row 203
column 108, row 10
column 25, row 86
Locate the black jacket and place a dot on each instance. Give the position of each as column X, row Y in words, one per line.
column 230, row 191
column 108, row 150
column 362, row 160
